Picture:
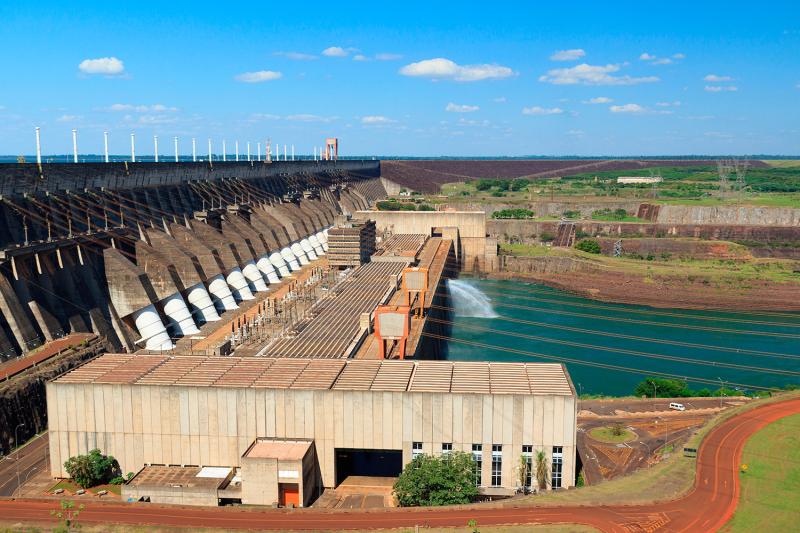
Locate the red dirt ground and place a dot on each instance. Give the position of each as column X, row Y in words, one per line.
column 429, row 175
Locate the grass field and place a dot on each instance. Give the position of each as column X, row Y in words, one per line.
column 783, row 163
column 606, row 434
column 770, row 490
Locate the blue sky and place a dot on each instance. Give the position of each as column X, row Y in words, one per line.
column 404, row 78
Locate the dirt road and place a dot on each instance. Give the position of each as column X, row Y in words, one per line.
column 706, row 508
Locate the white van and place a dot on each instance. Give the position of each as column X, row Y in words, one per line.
column 677, row 406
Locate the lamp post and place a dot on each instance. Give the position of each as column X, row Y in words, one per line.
column 175, row 140
column 155, row 147
column 16, row 443
column 105, row 146
column 721, row 390
column 74, row 145
column 133, row 148
column 38, row 147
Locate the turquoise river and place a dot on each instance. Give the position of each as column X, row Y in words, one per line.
column 609, row 348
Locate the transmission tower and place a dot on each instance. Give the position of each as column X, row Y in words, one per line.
column 618, row 248
column 740, row 169
column 724, row 171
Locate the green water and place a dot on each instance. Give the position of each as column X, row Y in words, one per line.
column 707, row 340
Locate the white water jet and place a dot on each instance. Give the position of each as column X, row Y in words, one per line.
column 470, row 301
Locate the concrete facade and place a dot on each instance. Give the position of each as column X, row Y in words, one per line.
column 471, row 249
column 215, row 425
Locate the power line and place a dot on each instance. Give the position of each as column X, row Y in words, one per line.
column 743, row 351
column 689, row 360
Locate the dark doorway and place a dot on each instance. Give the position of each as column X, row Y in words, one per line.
column 379, row 463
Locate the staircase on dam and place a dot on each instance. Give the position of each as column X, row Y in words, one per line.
column 566, row 235
column 143, row 253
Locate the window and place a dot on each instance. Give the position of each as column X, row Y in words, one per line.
column 416, row 450
column 557, row 462
column 477, row 456
column 447, row 448
column 497, row 465
column 527, row 455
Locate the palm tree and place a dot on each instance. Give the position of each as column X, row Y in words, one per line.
column 542, row 472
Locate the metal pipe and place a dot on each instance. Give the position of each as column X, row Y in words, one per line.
column 209, row 149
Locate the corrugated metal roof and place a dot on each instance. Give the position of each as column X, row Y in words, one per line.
column 462, row 377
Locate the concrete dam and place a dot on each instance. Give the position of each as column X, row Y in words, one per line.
column 140, row 254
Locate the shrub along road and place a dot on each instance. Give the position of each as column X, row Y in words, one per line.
column 707, row 507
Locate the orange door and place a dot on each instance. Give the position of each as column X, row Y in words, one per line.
column 289, row 494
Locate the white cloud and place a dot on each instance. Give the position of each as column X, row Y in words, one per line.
column 678, row 56
column 156, row 108
column 646, row 57
column 388, row 57
column 655, row 60
column 157, row 120
column 721, row 88
column 258, row 117
column 376, row 120
column 598, row 100
column 713, row 78
column 568, row 55
column 502, row 99
column 335, row 51
column 360, row 57
column 296, row 56
column 445, row 69
column 110, row 66
column 306, row 117
column 576, row 133
column 258, row 76
column 676, row 103
column 663, row 61
column 461, row 108
column 536, row 110
column 66, row 118
column 627, row 108
column 585, row 74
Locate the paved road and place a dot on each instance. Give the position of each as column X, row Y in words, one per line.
column 31, row 460
column 706, row 508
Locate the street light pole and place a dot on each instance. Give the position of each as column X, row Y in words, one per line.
column 655, row 387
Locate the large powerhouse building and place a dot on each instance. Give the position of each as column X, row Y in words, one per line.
column 276, row 430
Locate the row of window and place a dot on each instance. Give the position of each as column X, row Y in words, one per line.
column 556, row 462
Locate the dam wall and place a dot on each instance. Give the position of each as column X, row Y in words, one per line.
column 143, row 253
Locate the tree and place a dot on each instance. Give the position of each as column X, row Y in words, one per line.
column 542, row 471
column 589, row 245
column 92, row 469
column 428, row 480
column 662, row 388
column 67, row 515
column 524, row 470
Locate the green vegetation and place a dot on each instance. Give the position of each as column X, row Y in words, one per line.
column 92, row 469
column 614, row 215
column 676, row 388
column 614, row 434
column 513, row 213
column 542, row 470
column 428, row 480
column 66, row 515
column 769, row 500
column 589, row 245
column 394, row 205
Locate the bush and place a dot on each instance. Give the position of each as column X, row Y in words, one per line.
column 92, row 469
column 483, row 185
column 589, row 245
column 547, row 237
column 498, row 194
column 571, row 214
column 513, row 213
column 608, row 214
column 425, row 207
column 445, row 480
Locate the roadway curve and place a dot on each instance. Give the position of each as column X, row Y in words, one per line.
column 707, row 507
